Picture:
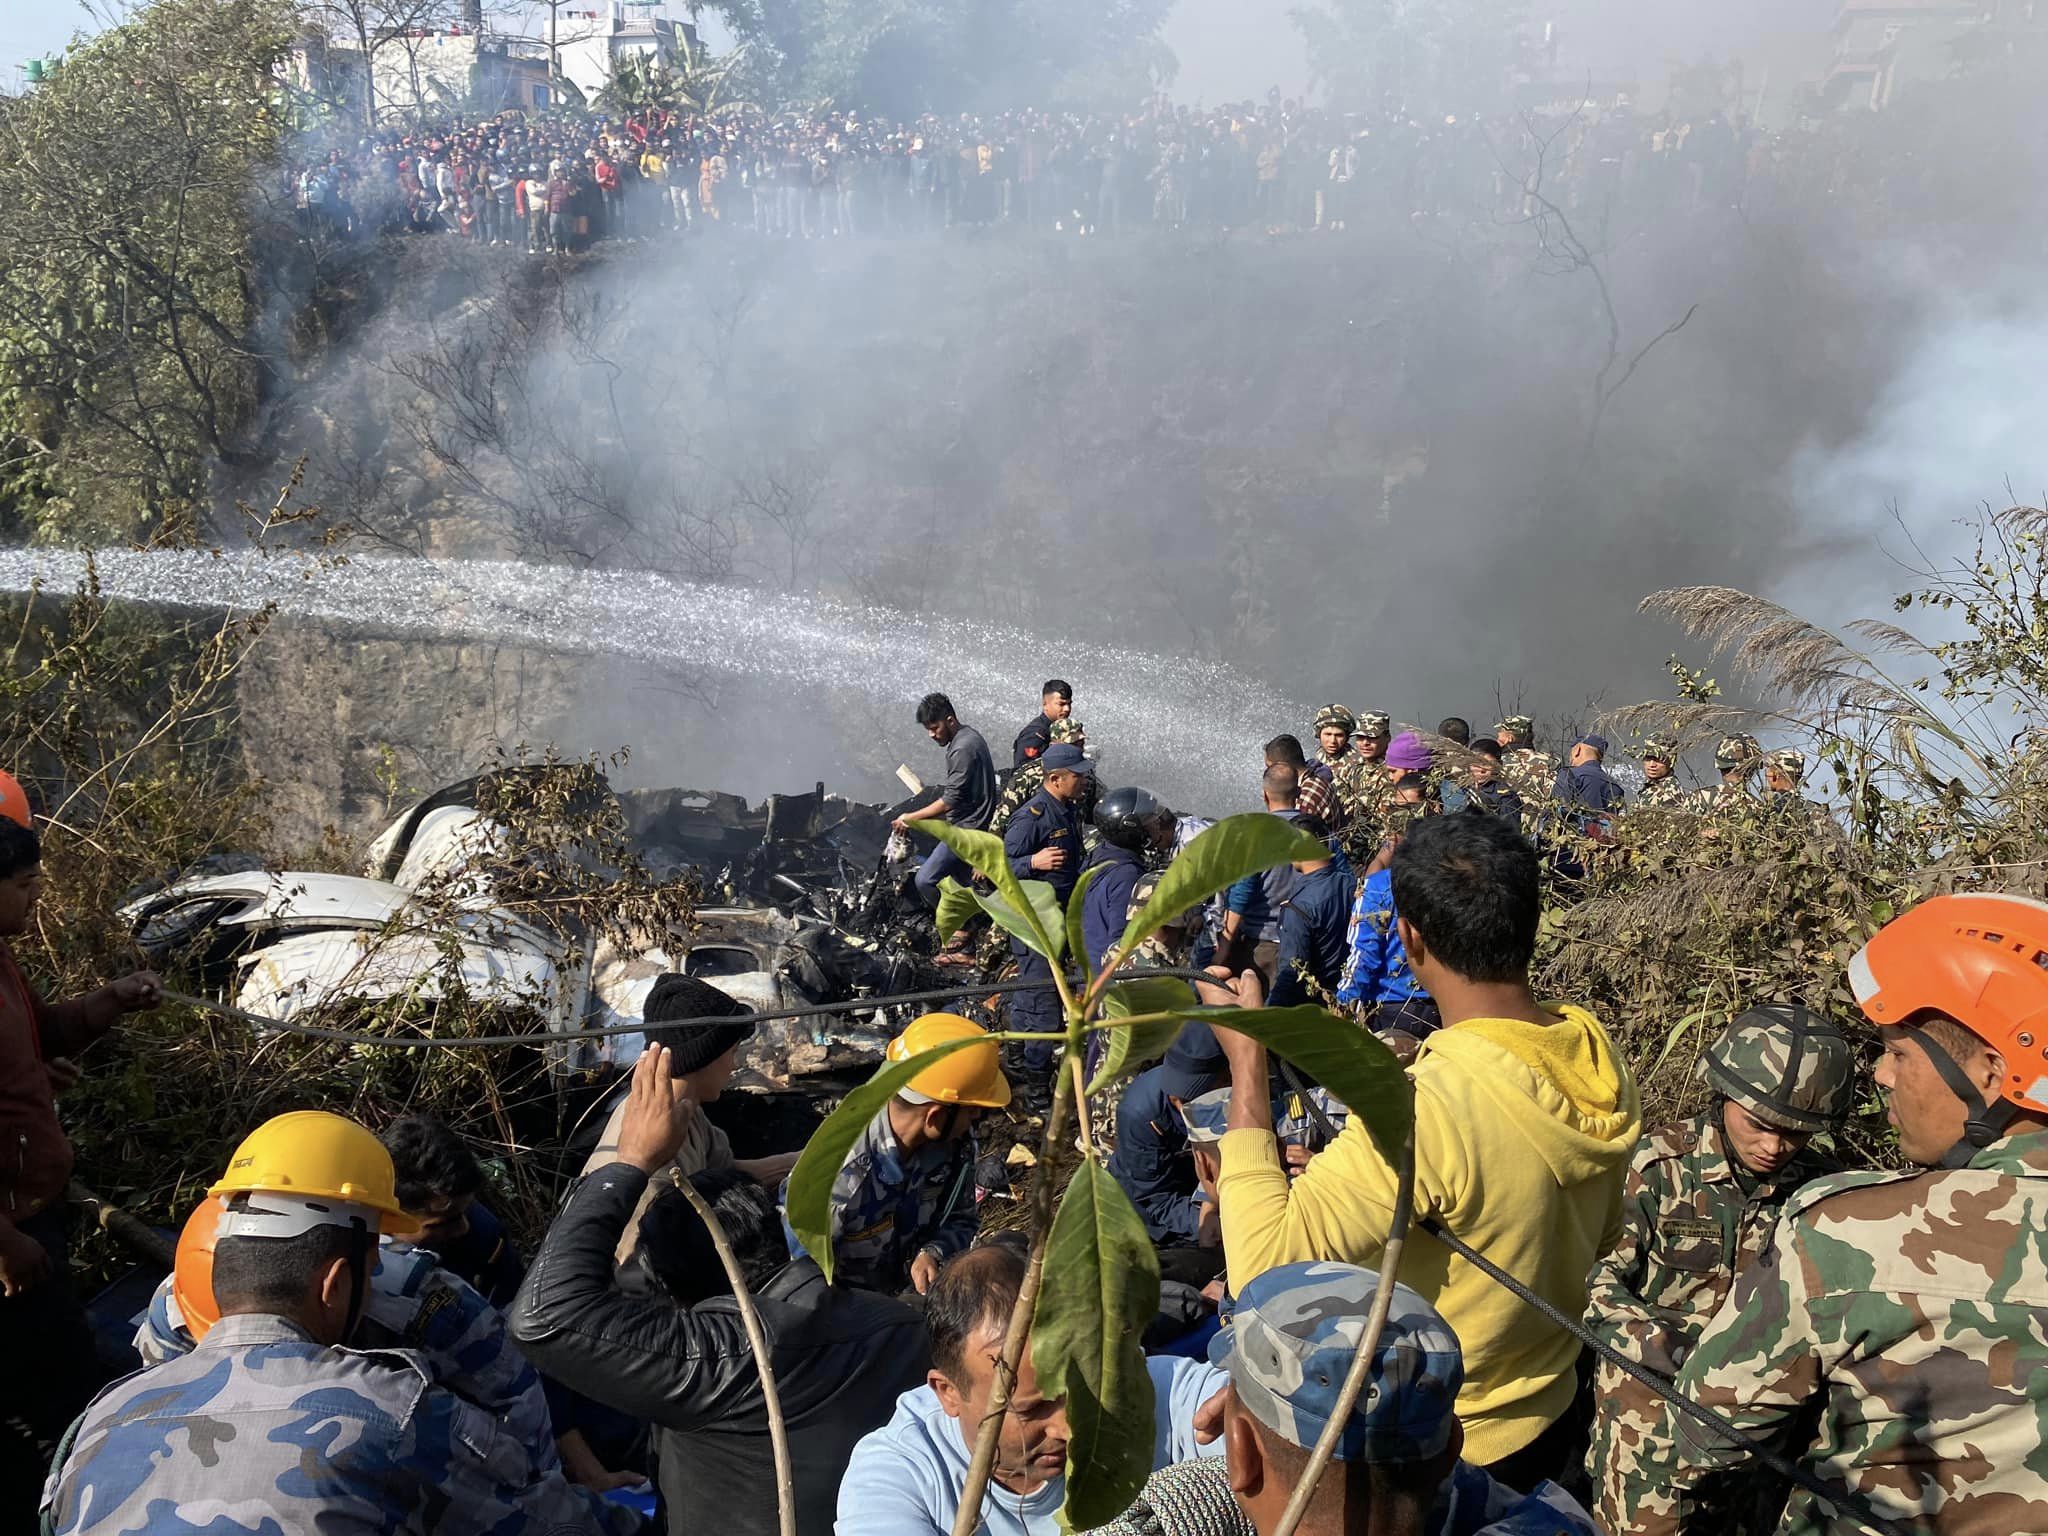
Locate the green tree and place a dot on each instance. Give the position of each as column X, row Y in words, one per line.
column 130, row 301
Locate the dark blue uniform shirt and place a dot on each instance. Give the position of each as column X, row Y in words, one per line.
column 1106, row 909
column 1043, row 822
column 1315, row 929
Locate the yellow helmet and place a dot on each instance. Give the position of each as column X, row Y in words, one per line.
column 970, row 1076
column 315, row 1160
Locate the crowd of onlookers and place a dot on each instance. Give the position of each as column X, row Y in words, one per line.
column 1271, row 164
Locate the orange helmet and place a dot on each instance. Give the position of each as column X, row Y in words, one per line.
column 14, row 801
column 1981, row 960
column 192, row 1273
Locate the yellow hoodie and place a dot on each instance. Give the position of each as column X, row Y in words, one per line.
column 1523, row 1133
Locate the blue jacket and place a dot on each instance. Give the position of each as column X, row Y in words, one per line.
column 1378, row 969
column 1151, row 1161
column 1587, row 787
column 1107, row 908
column 1313, row 928
column 1044, row 822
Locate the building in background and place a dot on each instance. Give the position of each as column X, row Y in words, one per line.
column 590, row 42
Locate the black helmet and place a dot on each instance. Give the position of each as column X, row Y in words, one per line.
column 1125, row 817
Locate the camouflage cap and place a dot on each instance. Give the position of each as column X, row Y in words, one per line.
column 1733, row 751
column 1208, row 1117
column 1786, row 1066
column 1521, row 727
column 1068, row 729
column 1659, row 749
column 1289, row 1346
column 1789, row 761
column 1335, row 714
column 1373, row 725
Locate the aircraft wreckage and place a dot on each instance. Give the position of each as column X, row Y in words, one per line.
column 799, row 904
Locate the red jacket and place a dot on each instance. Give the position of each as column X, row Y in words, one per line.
column 35, row 1154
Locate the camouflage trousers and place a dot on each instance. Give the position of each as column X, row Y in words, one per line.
column 1629, row 1496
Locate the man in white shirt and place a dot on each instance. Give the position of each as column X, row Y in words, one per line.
column 906, row 1478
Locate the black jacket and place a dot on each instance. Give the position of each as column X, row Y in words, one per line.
column 841, row 1357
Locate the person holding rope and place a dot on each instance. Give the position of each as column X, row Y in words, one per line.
column 1894, row 1333
column 1702, row 1202
column 1525, row 1119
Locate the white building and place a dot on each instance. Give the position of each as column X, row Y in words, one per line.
column 589, row 42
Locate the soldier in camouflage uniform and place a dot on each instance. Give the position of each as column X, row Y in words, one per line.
column 1737, row 758
column 1894, row 1335
column 1289, row 1348
column 1660, row 789
column 1701, row 1202
column 1025, row 782
column 1332, row 756
column 903, row 1202
column 1784, row 772
column 1526, row 770
column 269, row 1424
column 1366, row 787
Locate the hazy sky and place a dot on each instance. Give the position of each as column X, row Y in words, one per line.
column 32, row 28
column 1231, row 48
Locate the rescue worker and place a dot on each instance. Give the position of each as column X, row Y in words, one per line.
column 1737, row 758
column 270, row 1423
column 1525, row 771
column 966, row 796
column 1135, row 828
column 1043, row 842
column 1398, row 1463
column 1784, row 772
column 1584, row 785
column 1895, row 1325
column 411, row 1302
column 1701, row 1203
column 1056, row 703
column 1365, row 786
column 1025, row 781
column 1151, row 1159
column 1333, row 756
column 1314, row 920
column 1661, row 789
column 1525, row 1119
column 903, row 1202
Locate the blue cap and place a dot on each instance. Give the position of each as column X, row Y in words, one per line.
column 1193, row 1062
column 1064, row 754
column 1289, row 1346
column 1597, row 743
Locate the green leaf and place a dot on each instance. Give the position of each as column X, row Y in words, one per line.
column 1216, row 860
column 1344, row 1057
column 1044, row 920
column 1101, row 1289
column 1077, row 936
column 983, row 852
column 809, row 1205
column 957, row 903
column 1134, row 1045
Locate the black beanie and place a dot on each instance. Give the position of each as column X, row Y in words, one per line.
column 692, row 1046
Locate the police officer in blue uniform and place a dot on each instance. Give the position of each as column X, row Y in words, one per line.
column 1043, row 842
